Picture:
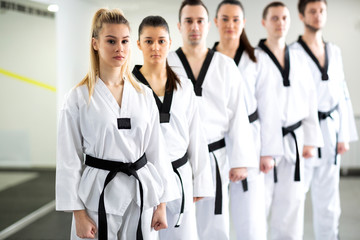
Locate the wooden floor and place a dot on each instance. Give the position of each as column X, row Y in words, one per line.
column 23, row 193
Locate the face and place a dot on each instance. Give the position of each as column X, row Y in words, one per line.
column 112, row 44
column 314, row 16
column 230, row 21
column 277, row 22
column 194, row 25
column 155, row 44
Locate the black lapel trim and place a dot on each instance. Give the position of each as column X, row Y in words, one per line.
column 164, row 108
column 204, row 68
column 323, row 70
column 215, row 45
column 284, row 71
column 238, row 54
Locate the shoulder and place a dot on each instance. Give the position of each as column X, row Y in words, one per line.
column 295, row 46
column 222, row 57
column 76, row 97
column 145, row 91
column 186, row 85
column 173, row 59
column 333, row 48
column 260, row 54
column 297, row 52
column 224, row 63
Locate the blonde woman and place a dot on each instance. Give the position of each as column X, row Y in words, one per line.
column 111, row 172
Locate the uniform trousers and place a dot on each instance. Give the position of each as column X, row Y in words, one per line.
column 187, row 229
column 323, row 181
column 248, row 213
column 284, row 202
column 123, row 227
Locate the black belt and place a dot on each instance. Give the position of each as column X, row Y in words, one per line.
column 254, row 116
column 115, row 167
column 176, row 164
column 275, row 172
column 291, row 129
column 323, row 116
column 218, row 194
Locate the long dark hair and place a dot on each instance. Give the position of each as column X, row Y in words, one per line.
column 157, row 21
column 243, row 37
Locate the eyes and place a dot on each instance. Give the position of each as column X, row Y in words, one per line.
column 235, row 20
column 190, row 21
column 149, row 41
column 314, row 11
column 113, row 41
column 277, row 18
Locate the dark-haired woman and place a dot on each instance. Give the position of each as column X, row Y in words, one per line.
column 180, row 124
column 247, row 197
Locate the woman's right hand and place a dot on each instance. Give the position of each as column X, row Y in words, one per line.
column 266, row 164
column 85, row 226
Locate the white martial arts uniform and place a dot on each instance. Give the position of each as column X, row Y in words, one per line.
column 248, row 206
column 322, row 172
column 91, row 127
column 296, row 102
column 220, row 91
column 183, row 133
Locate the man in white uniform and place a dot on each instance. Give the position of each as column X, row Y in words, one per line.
column 297, row 112
column 335, row 116
column 220, row 94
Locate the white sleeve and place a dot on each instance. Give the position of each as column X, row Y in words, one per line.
column 198, row 153
column 312, row 131
column 157, row 155
column 268, row 110
column 69, row 158
column 239, row 141
column 347, row 130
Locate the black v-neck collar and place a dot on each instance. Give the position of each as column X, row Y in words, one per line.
column 323, row 70
column 284, row 71
column 204, row 68
column 164, row 107
column 238, row 54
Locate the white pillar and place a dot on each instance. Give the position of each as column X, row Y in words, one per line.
column 73, row 23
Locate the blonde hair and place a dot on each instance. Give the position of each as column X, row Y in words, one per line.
column 102, row 16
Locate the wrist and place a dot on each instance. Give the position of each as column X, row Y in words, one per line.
column 161, row 206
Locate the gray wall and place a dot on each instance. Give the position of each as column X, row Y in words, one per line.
column 28, row 48
column 28, row 115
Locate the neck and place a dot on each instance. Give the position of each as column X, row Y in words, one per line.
column 155, row 74
column 111, row 76
column 313, row 37
column 275, row 44
column 228, row 46
column 195, row 50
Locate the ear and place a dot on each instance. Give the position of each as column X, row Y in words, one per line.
column 138, row 44
column 178, row 25
column 301, row 17
column 216, row 22
column 170, row 42
column 209, row 25
column 244, row 22
column 263, row 22
column 94, row 43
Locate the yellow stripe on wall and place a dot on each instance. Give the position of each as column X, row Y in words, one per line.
column 27, row 80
